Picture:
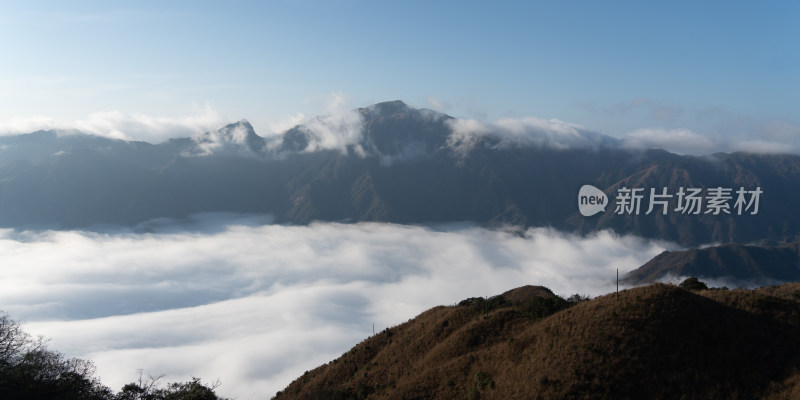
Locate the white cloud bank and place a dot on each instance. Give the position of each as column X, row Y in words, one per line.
column 334, row 131
column 118, row 125
column 680, row 141
column 340, row 127
column 560, row 135
column 256, row 305
column 524, row 132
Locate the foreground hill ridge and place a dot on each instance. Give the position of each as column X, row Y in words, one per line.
column 658, row 341
column 388, row 162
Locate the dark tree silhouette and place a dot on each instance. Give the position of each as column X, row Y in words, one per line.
column 30, row 371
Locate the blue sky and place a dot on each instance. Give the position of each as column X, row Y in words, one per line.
column 713, row 68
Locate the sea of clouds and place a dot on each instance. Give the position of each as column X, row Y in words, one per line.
column 255, row 304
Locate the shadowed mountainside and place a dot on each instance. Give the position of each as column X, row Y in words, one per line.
column 753, row 265
column 658, row 342
column 396, row 164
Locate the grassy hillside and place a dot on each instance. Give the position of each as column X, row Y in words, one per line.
column 658, row 342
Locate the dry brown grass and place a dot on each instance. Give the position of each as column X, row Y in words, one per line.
column 656, row 342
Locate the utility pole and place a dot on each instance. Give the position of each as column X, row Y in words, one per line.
column 617, row 283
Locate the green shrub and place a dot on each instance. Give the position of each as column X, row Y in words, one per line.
column 539, row 307
column 484, row 306
column 693, row 284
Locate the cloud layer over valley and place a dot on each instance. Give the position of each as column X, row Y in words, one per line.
column 256, row 304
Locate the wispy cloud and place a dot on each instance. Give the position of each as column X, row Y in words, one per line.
column 118, row 125
column 692, row 130
column 655, row 110
column 338, row 127
column 528, row 131
column 778, row 138
column 288, row 122
column 335, row 131
column 256, row 305
column 719, row 282
column 438, row 104
column 681, row 141
column 765, row 137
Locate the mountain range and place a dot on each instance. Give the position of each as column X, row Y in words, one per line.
column 393, row 163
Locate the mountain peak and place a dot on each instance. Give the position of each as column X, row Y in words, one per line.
column 235, row 137
column 402, row 132
column 390, row 107
column 240, row 132
column 390, row 129
column 243, row 123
